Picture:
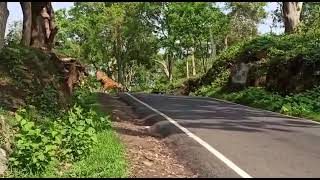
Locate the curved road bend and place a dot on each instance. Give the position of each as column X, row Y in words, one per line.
column 261, row 143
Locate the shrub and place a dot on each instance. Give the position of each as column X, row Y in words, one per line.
column 43, row 139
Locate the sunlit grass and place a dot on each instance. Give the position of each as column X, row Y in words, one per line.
column 106, row 160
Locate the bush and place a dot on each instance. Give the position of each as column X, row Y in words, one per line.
column 43, row 139
column 34, row 147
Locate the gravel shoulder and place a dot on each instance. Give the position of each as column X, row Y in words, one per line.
column 147, row 156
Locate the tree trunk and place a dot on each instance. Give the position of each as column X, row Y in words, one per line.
column 43, row 27
column 187, row 66
column 193, row 62
column 27, row 20
column 193, row 65
column 226, row 42
column 4, row 13
column 213, row 50
column 123, row 66
column 204, row 65
column 291, row 15
column 131, row 74
column 118, row 56
column 213, row 46
column 40, row 32
column 165, row 68
column 120, row 72
column 169, row 59
column 193, row 59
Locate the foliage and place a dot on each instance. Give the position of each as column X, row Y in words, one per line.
column 305, row 104
column 285, row 47
column 34, row 148
column 14, row 34
column 42, row 141
column 106, row 159
column 279, row 50
column 125, row 38
column 245, row 17
column 68, row 138
column 310, row 17
column 130, row 35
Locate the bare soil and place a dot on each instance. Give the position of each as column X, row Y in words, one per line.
column 147, row 156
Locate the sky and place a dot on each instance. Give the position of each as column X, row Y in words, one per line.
column 16, row 15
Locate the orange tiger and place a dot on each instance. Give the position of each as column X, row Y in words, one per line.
column 107, row 82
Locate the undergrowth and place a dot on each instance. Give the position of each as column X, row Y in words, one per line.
column 280, row 50
column 305, row 104
column 47, row 138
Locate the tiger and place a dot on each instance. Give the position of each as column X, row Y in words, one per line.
column 107, row 82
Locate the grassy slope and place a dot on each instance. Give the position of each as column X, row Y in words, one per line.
column 306, row 105
column 107, row 158
column 29, row 77
column 281, row 50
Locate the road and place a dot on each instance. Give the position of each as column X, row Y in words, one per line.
column 258, row 142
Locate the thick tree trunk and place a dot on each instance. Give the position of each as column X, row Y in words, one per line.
column 4, row 13
column 43, row 27
column 291, row 15
column 40, row 32
column 27, row 20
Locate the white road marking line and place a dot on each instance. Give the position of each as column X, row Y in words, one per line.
column 215, row 152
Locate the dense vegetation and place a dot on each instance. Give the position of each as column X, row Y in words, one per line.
column 191, row 48
column 45, row 136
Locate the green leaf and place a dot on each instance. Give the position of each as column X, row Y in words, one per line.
column 18, row 117
column 41, row 157
column 23, row 122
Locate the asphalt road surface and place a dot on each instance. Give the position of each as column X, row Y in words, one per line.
column 261, row 143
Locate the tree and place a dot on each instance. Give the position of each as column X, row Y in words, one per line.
column 39, row 28
column 277, row 20
column 186, row 26
column 27, row 21
column 310, row 16
column 115, row 37
column 245, row 17
column 14, row 34
column 291, row 15
column 4, row 13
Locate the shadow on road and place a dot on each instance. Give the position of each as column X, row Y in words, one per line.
column 193, row 112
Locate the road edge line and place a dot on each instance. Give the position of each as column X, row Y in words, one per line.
column 213, row 151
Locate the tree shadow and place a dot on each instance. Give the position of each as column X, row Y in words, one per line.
column 204, row 113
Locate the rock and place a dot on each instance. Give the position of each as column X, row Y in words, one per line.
column 239, row 73
column 3, row 161
column 147, row 163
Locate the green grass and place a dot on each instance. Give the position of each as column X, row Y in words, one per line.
column 106, row 160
